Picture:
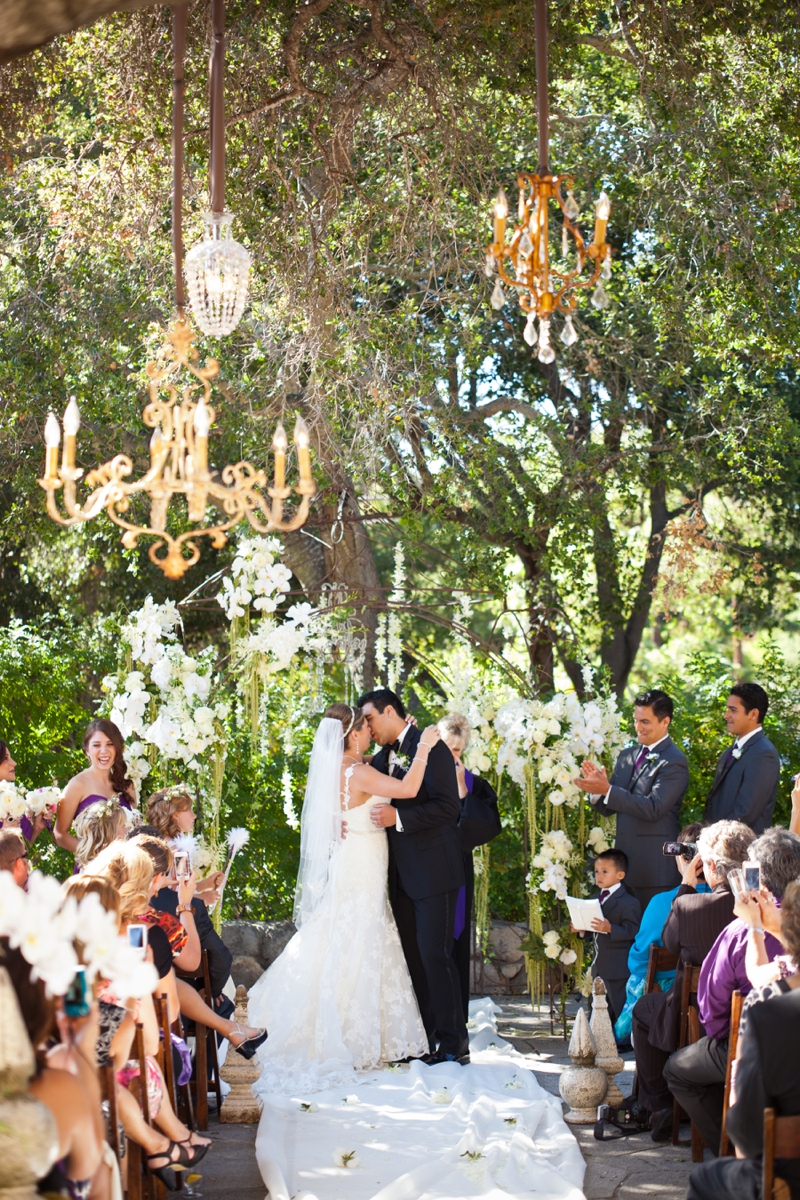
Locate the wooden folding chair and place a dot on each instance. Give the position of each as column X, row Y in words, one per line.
column 658, row 959
column 137, row 1160
column 725, row 1147
column 108, row 1095
column 688, row 1034
column 165, row 1060
column 205, row 1048
column 781, row 1140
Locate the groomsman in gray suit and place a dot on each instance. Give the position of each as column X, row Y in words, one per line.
column 646, row 791
column 746, row 781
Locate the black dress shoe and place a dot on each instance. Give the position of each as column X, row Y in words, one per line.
column 661, row 1125
column 440, row 1056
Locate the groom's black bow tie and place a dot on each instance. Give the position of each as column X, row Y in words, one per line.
column 394, row 746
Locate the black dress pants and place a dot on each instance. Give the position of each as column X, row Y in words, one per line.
column 652, row 1091
column 726, row 1179
column 426, row 933
column 696, row 1077
column 462, row 947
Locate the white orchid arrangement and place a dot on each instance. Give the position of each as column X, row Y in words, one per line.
column 553, row 948
column 163, row 702
column 49, row 932
column 258, row 578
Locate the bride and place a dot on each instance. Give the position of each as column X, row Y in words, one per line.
column 339, row 998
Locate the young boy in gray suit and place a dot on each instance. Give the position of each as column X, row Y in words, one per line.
column 615, row 932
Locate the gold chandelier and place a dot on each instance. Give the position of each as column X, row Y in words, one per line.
column 181, row 421
column 180, row 414
column 545, row 287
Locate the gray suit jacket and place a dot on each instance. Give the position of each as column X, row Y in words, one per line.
column 647, row 802
column 744, row 789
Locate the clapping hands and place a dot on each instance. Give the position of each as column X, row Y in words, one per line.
column 593, row 779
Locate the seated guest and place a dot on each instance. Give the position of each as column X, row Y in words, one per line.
column 63, row 1091
column 97, row 827
column 767, row 1076
column 695, row 1075
column 14, row 855
column 650, row 931
column 30, row 829
column 615, row 931
column 480, row 822
column 185, row 949
column 171, row 812
column 746, row 781
column 692, row 927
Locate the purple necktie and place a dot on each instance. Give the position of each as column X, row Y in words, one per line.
column 730, row 754
column 640, row 758
column 606, row 892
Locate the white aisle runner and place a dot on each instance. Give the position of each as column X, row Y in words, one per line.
column 425, row 1133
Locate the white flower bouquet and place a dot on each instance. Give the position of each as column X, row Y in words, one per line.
column 42, row 800
column 12, row 801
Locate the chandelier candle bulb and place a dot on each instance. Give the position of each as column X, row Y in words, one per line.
column 601, row 214
column 301, row 441
column 500, row 215
column 280, row 443
column 52, row 440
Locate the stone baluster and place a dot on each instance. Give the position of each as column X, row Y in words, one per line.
column 583, row 1085
column 240, row 1106
column 607, row 1057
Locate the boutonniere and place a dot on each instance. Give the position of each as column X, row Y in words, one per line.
column 401, row 760
column 652, row 757
column 737, row 752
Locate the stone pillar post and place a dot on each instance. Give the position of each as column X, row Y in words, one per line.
column 583, row 1085
column 240, row 1106
column 607, row 1057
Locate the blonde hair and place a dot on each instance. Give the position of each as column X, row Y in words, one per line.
column 162, row 806
column 130, row 871
column 455, row 728
column 97, row 827
column 78, row 886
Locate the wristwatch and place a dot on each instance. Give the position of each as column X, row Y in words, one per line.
column 184, row 908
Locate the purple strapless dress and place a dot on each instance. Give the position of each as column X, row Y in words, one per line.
column 89, row 800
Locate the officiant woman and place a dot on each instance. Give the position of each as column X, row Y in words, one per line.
column 479, row 823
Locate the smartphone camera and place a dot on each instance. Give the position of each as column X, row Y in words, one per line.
column 181, row 861
column 76, row 1002
column 752, row 876
column 137, row 938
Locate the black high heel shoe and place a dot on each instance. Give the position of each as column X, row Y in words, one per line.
column 248, row 1048
column 183, row 1162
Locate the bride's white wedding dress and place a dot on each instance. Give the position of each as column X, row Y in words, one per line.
column 339, row 998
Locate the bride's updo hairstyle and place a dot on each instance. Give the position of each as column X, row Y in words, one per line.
column 351, row 718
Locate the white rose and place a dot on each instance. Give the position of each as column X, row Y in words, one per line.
column 483, row 763
column 568, row 957
column 551, row 937
column 552, row 951
column 556, row 798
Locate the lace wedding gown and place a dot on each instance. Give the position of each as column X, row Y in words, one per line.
column 339, row 998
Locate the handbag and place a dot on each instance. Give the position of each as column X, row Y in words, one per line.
column 480, row 818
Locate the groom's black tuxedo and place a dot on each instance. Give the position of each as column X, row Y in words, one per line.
column 426, row 869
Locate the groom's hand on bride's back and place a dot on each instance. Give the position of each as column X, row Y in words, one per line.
column 383, row 815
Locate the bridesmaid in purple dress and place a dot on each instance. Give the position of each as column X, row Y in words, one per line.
column 8, row 771
column 106, row 776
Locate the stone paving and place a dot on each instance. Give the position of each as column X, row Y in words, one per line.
column 625, row 1169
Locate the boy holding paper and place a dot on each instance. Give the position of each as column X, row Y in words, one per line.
column 615, row 931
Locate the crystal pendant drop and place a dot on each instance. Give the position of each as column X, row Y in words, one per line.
column 600, row 297
column 488, row 268
column 606, row 271
column 529, row 332
column 564, row 242
column 498, row 296
column 546, row 352
column 217, row 276
column 571, row 206
column 569, row 334
column 525, row 245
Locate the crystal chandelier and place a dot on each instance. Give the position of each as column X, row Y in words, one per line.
column 544, row 286
column 218, row 268
column 180, row 414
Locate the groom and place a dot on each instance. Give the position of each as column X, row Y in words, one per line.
column 425, row 871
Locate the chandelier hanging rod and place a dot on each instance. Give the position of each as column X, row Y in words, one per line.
column 542, row 87
column 216, row 78
column 179, row 21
